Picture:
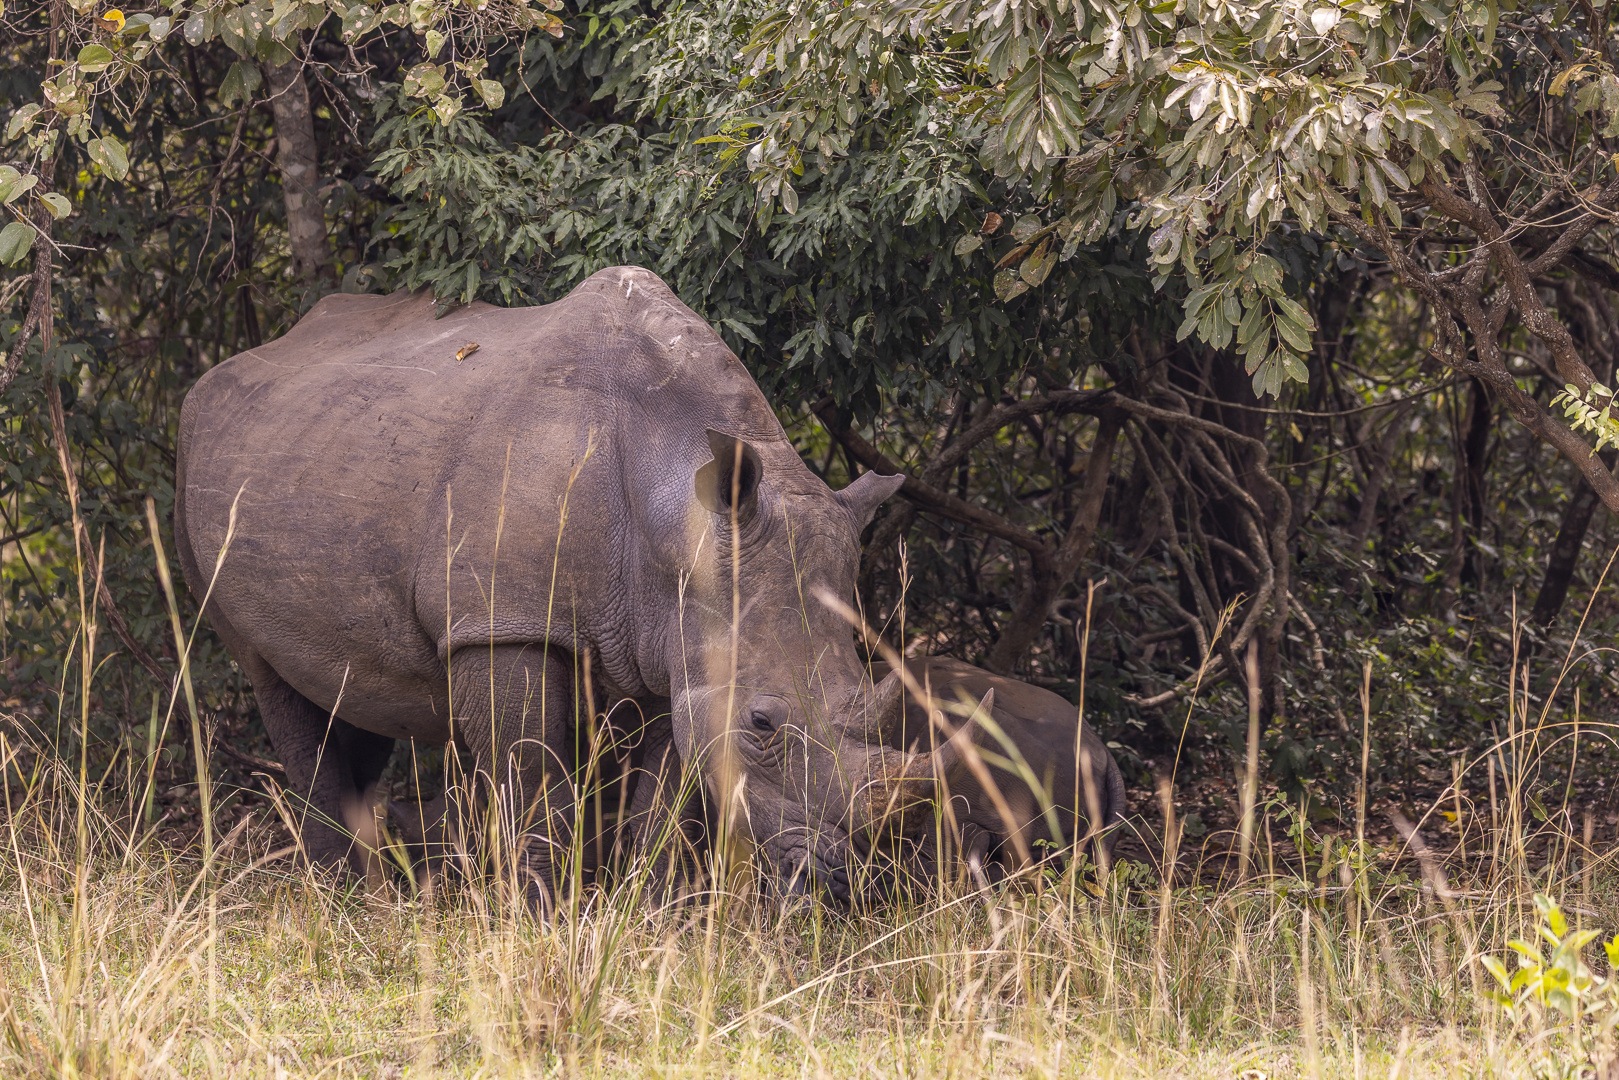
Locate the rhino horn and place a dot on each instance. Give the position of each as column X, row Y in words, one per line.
column 887, row 704
column 899, row 780
column 947, row 757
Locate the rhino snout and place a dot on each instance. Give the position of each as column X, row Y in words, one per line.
column 804, row 871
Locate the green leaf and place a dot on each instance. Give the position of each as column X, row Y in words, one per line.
column 1496, row 968
column 1374, row 182
column 110, row 154
column 1334, row 197
column 1265, row 272
column 16, row 240
column 435, row 42
column 1292, row 333
column 1552, row 913
column 1257, row 355
column 1395, row 174
column 239, row 82
column 1252, row 320
column 1525, row 950
column 15, row 186
column 60, row 207
column 272, row 52
column 1262, row 376
column 446, row 107
column 491, row 91
column 424, row 80
column 1037, row 267
column 21, row 120
column 1186, row 328
column 1195, row 298
column 968, row 244
column 1559, row 85
column 1295, row 311
column 93, row 58
column 1231, row 309
column 1026, row 226
column 1009, row 286
column 1577, row 941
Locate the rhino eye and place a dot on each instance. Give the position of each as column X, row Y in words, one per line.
column 761, row 720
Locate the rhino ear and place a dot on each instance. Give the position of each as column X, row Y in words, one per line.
column 867, row 493
column 735, row 471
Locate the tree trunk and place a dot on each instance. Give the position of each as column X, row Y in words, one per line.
column 1048, row 576
column 1480, row 422
column 297, row 158
column 1377, row 474
column 1241, row 413
column 1565, row 554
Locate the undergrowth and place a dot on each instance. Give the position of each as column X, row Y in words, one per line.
column 1270, row 950
column 121, row 955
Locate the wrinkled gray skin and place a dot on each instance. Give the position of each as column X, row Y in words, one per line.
column 379, row 476
column 1043, row 727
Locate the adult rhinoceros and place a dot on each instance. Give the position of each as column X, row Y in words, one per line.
column 428, row 535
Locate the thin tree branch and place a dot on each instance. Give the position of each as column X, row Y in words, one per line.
column 927, row 495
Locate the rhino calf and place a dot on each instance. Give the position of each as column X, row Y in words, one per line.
column 994, row 832
column 998, row 831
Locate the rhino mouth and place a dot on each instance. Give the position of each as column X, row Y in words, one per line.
column 804, row 869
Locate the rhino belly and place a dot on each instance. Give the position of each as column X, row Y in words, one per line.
column 320, row 591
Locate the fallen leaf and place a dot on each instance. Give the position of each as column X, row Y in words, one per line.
column 465, row 351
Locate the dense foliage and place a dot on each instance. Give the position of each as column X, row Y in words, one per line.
column 1039, row 257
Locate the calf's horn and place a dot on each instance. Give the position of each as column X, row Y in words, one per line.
column 948, row 756
column 899, row 779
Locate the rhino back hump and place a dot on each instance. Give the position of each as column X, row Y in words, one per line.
column 353, row 439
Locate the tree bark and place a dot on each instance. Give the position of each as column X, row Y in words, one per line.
column 1377, row 474
column 39, row 302
column 1480, row 421
column 1565, row 553
column 1048, row 575
column 298, row 159
column 1455, row 296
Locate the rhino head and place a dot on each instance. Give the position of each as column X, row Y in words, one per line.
column 769, row 695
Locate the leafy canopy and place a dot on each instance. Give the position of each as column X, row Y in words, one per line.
column 1213, row 124
column 107, row 55
column 854, row 294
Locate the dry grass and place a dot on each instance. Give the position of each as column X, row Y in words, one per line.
column 106, row 970
column 125, row 955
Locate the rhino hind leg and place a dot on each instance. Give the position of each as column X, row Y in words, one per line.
column 332, row 772
column 514, row 708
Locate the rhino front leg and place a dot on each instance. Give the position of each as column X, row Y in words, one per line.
column 513, row 707
column 665, row 823
column 332, row 771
